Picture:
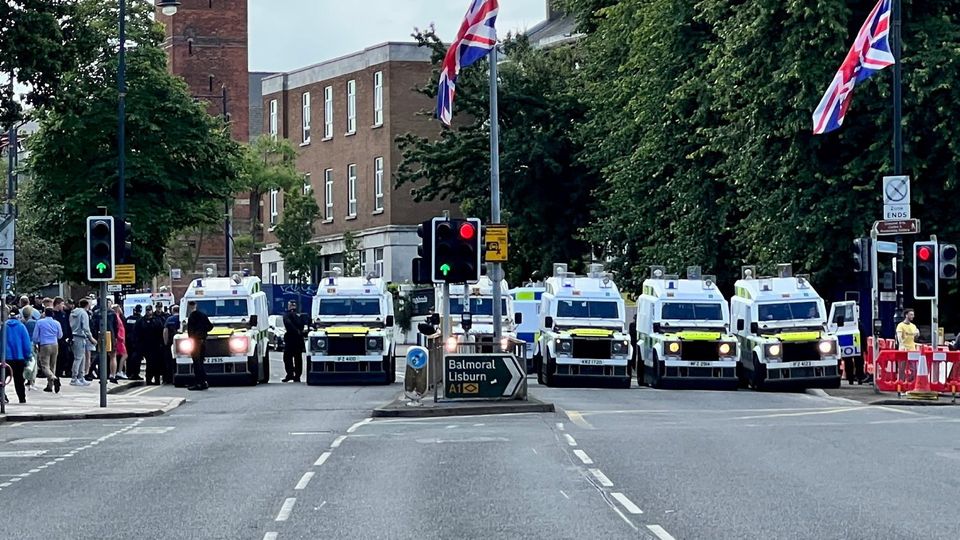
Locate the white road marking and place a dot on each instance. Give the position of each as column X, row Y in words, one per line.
column 807, row 413
column 627, row 503
column 570, row 440
column 158, row 430
column 564, row 494
column 901, row 411
column 41, row 440
column 602, row 478
column 304, row 480
column 322, row 459
column 16, row 424
column 270, row 536
column 309, row 432
column 583, row 457
column 338, row 441
column 34, row 471
column 535, row 451
column 5, row 484
column 286, row 509
column 354, row 427
column 22, row 453
column 560, row 426
column 660, row 533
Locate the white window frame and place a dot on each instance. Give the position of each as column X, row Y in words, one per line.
column 328, row 112
column 274, row 212
column 378, row 99
column 307, row 184
column 305, row 109
column 351, row 106
column 328, row 194
column 352, row 190
column 274, row 125
column 378, row 184
column 363, row 261
column 378, row 255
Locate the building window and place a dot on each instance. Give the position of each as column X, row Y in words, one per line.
column 274, row 277
column 378, row 184
column 352, row 189
column 363, row 262
column 305, row 104
column 273, row 119
column 378, row 98
column 378, row 261
column 307, row 184
column 328, row 193
column 273, row 207
column 351, row 106
column 328, row 112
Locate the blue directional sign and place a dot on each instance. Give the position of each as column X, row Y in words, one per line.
column 417, row 357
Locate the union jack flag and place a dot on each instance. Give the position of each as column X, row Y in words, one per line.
column 870, row 53
column 476, row 38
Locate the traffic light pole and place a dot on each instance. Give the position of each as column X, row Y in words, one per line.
column 934, row 306
column 103, row 344
column 896, row 49
column 875, row 324
column 495, row 190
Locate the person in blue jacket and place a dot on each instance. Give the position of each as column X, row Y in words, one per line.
column 19, row 350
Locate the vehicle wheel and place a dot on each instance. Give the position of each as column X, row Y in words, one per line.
column 640, row 372
column 253, row 366
column 266, row 368
column 626, row 382
column 538, row 367
column 655, row 372
column 758, row 375
column 392, row 377
column 551, row 368
column 743, row 380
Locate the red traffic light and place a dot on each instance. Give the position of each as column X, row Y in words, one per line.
column 467, row 231
column 924, row 253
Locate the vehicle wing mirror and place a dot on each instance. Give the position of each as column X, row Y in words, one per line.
column 754, row 328
column 389, row 321
column 426, row 329
column 253, row 321
column 657, row 328
column 518, row 318
column 548, row 322
column 740, row 326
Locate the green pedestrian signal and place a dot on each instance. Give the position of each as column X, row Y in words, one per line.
column 101, row 244
column 455, row 254
column 101, row 267
column 445, row 268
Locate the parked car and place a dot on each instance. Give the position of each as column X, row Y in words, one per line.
column 275, row 332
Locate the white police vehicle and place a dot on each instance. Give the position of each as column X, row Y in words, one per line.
column 236, row 348
column 526, row 302
column 354, row 337
column 781, row 327
column 583, row 330
column 471, row 317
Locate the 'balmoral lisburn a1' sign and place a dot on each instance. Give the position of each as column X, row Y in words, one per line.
column 481, row 376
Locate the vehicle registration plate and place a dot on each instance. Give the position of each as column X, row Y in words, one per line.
column 700, row 364
column 589, row 362
column 803, row 364
column 216, row 360
column 347, row 359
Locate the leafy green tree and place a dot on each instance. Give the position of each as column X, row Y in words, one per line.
column 270, row 164
column 294, row 233
column 37, row 261
column 546, row 194
column 351, row 255
column 181, row 162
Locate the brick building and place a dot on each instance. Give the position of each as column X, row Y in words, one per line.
column 344, row 115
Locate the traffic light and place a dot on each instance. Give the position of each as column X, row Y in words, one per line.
column 948, row 261
column 423, row 263
column 925, row 270
column 861, row 255
column 101, row 256
column 456, row 250
column 125, row 241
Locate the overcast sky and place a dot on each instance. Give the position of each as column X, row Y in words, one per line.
column 290, row 34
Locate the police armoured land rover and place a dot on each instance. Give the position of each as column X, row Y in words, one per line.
column 471, row 314
column 683, row 332
column 354, row 338
column 583, row 329
column 780, row 323
column 236, row 348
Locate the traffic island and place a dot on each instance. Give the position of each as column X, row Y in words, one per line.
column 402, row 408
column 78, row 403
column 866, row 395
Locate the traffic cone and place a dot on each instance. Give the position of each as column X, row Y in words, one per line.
column 921, row 390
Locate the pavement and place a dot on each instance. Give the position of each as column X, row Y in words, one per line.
column 868, row 395
column 124, row 400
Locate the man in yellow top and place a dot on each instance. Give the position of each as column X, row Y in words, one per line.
column 907, row 332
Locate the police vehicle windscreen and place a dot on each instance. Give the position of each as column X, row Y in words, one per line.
column 692, row 311
column 788, row 311
column 583, row 309
column 349, row 306
column 478, row 306
column 224, row 308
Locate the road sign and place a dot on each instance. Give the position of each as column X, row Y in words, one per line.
column 481, row 376
column 417, row 357
column 7, row 241
column 896, row 190
column 176, row 273
column 894, row 212
column 889, row 248
column 114, row 288
column 496, row 241
column 126, row 275
column 901, row 226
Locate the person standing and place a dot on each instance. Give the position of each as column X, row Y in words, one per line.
column 171, row 327
column 121, row 342
column 150, row 342
column 47, row 336
column 134, row 354
column 198, row 326
column 28, row 320
column 82, row 340
column 18, row 353
column 61, row 312
column 293, row 343
column 907, row 332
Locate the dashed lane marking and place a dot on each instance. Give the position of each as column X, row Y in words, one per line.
column 560, row 426
column 602, row 478
column 583, row 457
column 627, row 503
column 286, row 509
column 363, row 422
column 304, row 480
column 570, row 440
column 564, row 494
column 270, row 536
column 660, row 532
column 322, row 459
column 338, row 441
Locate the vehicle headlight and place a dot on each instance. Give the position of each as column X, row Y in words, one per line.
column 620, row 347
column 827, row 347
column 318, row 343
column 375, row 344
column 772, row 350
column 452, row 344
column 727, row 349
column 672, row 347
column 564, row 346
column 505, row 344
column 239, row 344
column 185, row 346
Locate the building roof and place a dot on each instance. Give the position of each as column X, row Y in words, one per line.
column 351, row 63
column 554, row 32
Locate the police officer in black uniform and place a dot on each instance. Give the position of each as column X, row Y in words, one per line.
column 198, row 326
column 134, row 352
column 293, row 343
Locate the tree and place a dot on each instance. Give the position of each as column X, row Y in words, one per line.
column 351, row 255
column 37, row 262
column 294, row 233
column 181, row 162
column 546, row 193
column 271, row 164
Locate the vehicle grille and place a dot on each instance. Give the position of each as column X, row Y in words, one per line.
column 217, row 347
column 699, row 350
column 591, row 348
column 343, row 346
column 796, row 352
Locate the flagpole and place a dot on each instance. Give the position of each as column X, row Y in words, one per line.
column 495, row 190
column 896, row 48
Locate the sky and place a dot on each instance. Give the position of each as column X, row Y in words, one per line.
column 290, row 34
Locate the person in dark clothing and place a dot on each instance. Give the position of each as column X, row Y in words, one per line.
column 61, row 312
column 134, row 353
column 198, row 326
column 19, row 352
column 150, row 343
column 293, row 343
column 171, row 327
